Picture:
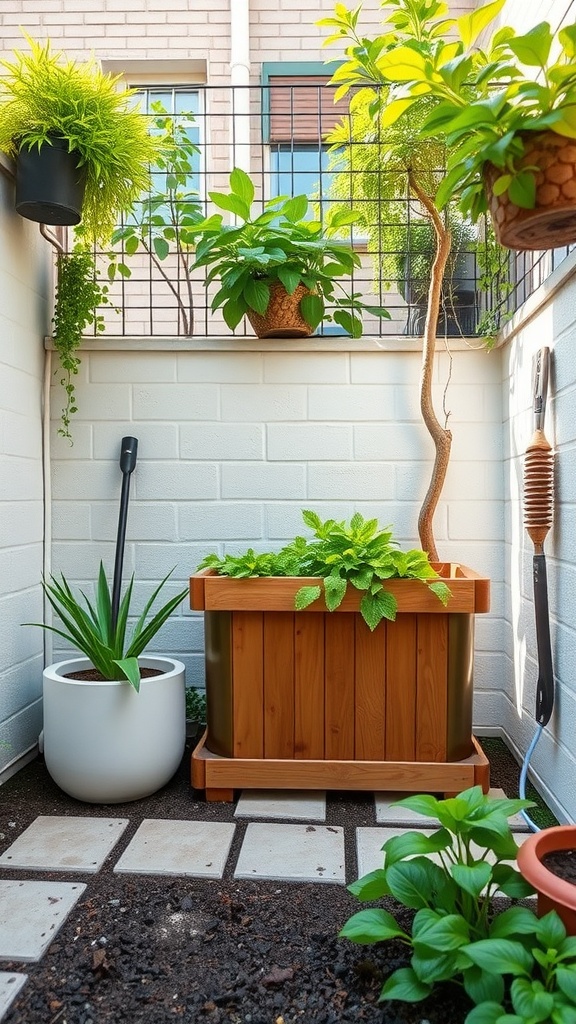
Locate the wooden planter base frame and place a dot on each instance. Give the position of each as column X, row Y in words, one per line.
column 220, row 776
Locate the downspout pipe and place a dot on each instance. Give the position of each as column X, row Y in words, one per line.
column 239, row 82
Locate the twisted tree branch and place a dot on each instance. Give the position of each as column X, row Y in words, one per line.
column 442, row 438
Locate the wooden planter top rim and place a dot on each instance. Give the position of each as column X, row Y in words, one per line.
column 210, row 592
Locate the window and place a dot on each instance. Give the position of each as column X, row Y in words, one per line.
column 299, row 170
column 183, row 105
column 299, row 113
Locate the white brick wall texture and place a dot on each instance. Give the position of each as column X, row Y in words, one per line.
column 554, row 761
column 24, row 272
column 232, row 445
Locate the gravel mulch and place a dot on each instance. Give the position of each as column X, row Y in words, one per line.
column 154, row 949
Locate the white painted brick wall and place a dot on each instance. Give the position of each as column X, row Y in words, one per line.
column 284, row 30
column 554, row 761
column 24, row 270
column 233, row 444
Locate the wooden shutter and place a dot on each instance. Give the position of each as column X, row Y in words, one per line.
column 302, row 108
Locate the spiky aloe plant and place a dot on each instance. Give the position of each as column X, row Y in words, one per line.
column 92, row 631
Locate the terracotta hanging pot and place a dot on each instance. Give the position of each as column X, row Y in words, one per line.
column 554, row 893
column 282, row 318
column 552, row 222
column 49, row 184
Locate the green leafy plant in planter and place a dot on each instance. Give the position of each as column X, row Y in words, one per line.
column 449, row 879
column 78, row 294
column 45, row 96
column 163, row 224
column 358, row 553
column 89, row 626
column 279, row 246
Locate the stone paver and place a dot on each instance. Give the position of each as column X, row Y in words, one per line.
column 386, row 814
column 10, row 985
column 292, row 853
column 282, row 803
column 198, row 849
column 369, row 843
column 31, row 914
column 64, row 843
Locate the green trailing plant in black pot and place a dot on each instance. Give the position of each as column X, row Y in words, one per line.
column 78, row 296
column 53, row 106
column 162, row 224
column 278, row 258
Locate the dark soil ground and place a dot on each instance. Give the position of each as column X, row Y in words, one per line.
column 155, row 950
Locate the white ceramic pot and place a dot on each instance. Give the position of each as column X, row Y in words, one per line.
column 105, row 743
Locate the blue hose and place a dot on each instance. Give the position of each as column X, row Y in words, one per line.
column 523, row 775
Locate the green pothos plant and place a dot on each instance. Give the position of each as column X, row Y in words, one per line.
column 78, row 296
column 517, row 968
column 358, row 553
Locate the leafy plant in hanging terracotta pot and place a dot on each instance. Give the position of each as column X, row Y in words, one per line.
column 279, row 269
column 505, row 111
column 86, row 127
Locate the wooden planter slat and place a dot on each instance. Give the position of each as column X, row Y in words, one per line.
column 248, row 684
column 278, row 653
column 370, row 698
column 401, row 689
column 317, row 690
column 431, row 674
column 339, row 687
column 309, row 687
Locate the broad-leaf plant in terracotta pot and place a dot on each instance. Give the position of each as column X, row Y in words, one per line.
column 505, row 110
column 279, row 268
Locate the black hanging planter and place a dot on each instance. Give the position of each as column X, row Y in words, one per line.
column 49, row 184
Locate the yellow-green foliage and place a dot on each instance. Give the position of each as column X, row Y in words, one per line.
column 45, row 93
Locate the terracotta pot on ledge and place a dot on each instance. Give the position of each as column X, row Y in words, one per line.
column 552, row 222
column 282, row 318
column 553, row 892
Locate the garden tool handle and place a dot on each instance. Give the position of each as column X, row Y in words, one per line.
column 545, row 684
column 541, row 374
column 128, row 452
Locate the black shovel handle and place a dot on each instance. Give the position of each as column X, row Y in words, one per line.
column 545, row 684
column 128, row 453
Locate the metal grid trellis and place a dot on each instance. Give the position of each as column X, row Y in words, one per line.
column 163, row 297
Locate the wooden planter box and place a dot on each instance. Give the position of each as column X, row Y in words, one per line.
column 315, row 700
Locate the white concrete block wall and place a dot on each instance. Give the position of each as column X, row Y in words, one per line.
column 552, row 324
column 234, row 443
column 24, row 269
